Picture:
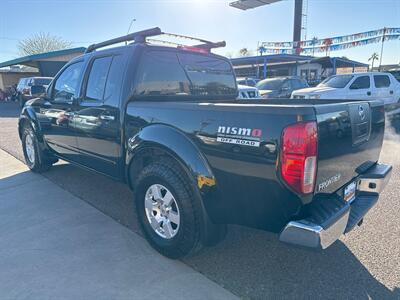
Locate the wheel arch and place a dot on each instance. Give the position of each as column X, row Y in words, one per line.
column 157, row 141
column 160, row 140
column 28, row 116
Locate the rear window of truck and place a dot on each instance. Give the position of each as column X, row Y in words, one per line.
column 169, row 73
column 41, row 81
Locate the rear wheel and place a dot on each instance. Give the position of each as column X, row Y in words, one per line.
column 167, row 210
column 35, row 158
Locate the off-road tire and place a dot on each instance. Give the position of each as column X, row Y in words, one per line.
column 187, row 239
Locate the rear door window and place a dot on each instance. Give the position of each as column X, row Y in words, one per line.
column 362, row 82
column 97, row 78
column 112, row 92
column 381, row 81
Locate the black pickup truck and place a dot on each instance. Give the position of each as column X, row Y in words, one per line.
column 166, row 121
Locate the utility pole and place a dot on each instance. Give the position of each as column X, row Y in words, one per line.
column 383, row 42
column 298, row 15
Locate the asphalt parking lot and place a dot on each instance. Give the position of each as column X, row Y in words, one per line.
column 365, row 264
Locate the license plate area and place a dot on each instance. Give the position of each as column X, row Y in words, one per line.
column 349, row 192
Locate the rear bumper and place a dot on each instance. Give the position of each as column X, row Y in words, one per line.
column 332, row 216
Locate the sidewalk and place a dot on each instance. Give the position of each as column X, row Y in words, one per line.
column 55, row 246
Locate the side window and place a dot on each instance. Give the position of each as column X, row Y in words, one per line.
column 286, row 85
column 182, row 73
column 114, row 81
column 160, row 74
column 66, row 85
column 362, row 82
column 297, row 84
column 251, row 82
column 381, row 81
column 97, row 78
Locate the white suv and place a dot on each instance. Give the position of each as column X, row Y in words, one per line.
column 360, row 86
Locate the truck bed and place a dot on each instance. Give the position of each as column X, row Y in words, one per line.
column 248, row 176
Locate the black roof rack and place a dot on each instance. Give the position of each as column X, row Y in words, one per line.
column 140, row 37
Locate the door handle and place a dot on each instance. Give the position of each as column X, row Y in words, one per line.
column 391, row 92
column 107, row 118
column 369, row 93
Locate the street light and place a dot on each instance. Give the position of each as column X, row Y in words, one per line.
column 129, row 28
column 130, row 25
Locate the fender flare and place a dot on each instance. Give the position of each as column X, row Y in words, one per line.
column 176, row 143
column 28, row 114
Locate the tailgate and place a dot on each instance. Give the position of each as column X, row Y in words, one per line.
column 350, row 136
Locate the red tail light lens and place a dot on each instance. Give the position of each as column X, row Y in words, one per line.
column 299, row 156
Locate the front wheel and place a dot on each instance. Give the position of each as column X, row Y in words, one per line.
column 35, row 158
column 167, row 209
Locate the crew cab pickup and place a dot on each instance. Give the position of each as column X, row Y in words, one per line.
column 166, row 121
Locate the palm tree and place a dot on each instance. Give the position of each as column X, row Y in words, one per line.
column 243, row 52
column 373, row 57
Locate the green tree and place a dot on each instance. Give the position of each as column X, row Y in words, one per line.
column 373, row 57
column 40, row 43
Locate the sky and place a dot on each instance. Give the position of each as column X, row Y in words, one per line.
column 87, row 21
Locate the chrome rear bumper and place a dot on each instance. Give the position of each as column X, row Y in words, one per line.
column 311, row 235
column 342, row 219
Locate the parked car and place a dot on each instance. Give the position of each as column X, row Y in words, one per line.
column 24, row 87
column 166, row 121
column 247, row 81
column 396, row 74
column 360, row 86
column 280, row 87
column 248, row 92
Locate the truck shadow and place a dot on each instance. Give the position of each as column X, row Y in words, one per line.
column 254, row 264
column 250, row 263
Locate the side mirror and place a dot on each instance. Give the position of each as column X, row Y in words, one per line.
column 38, row 91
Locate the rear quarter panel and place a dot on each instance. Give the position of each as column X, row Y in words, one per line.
column 248, row 190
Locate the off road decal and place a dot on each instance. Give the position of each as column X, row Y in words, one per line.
column 239, row 136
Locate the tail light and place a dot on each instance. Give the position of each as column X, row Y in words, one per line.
column 299, row 156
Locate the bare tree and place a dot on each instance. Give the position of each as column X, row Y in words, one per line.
column 42, row 42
